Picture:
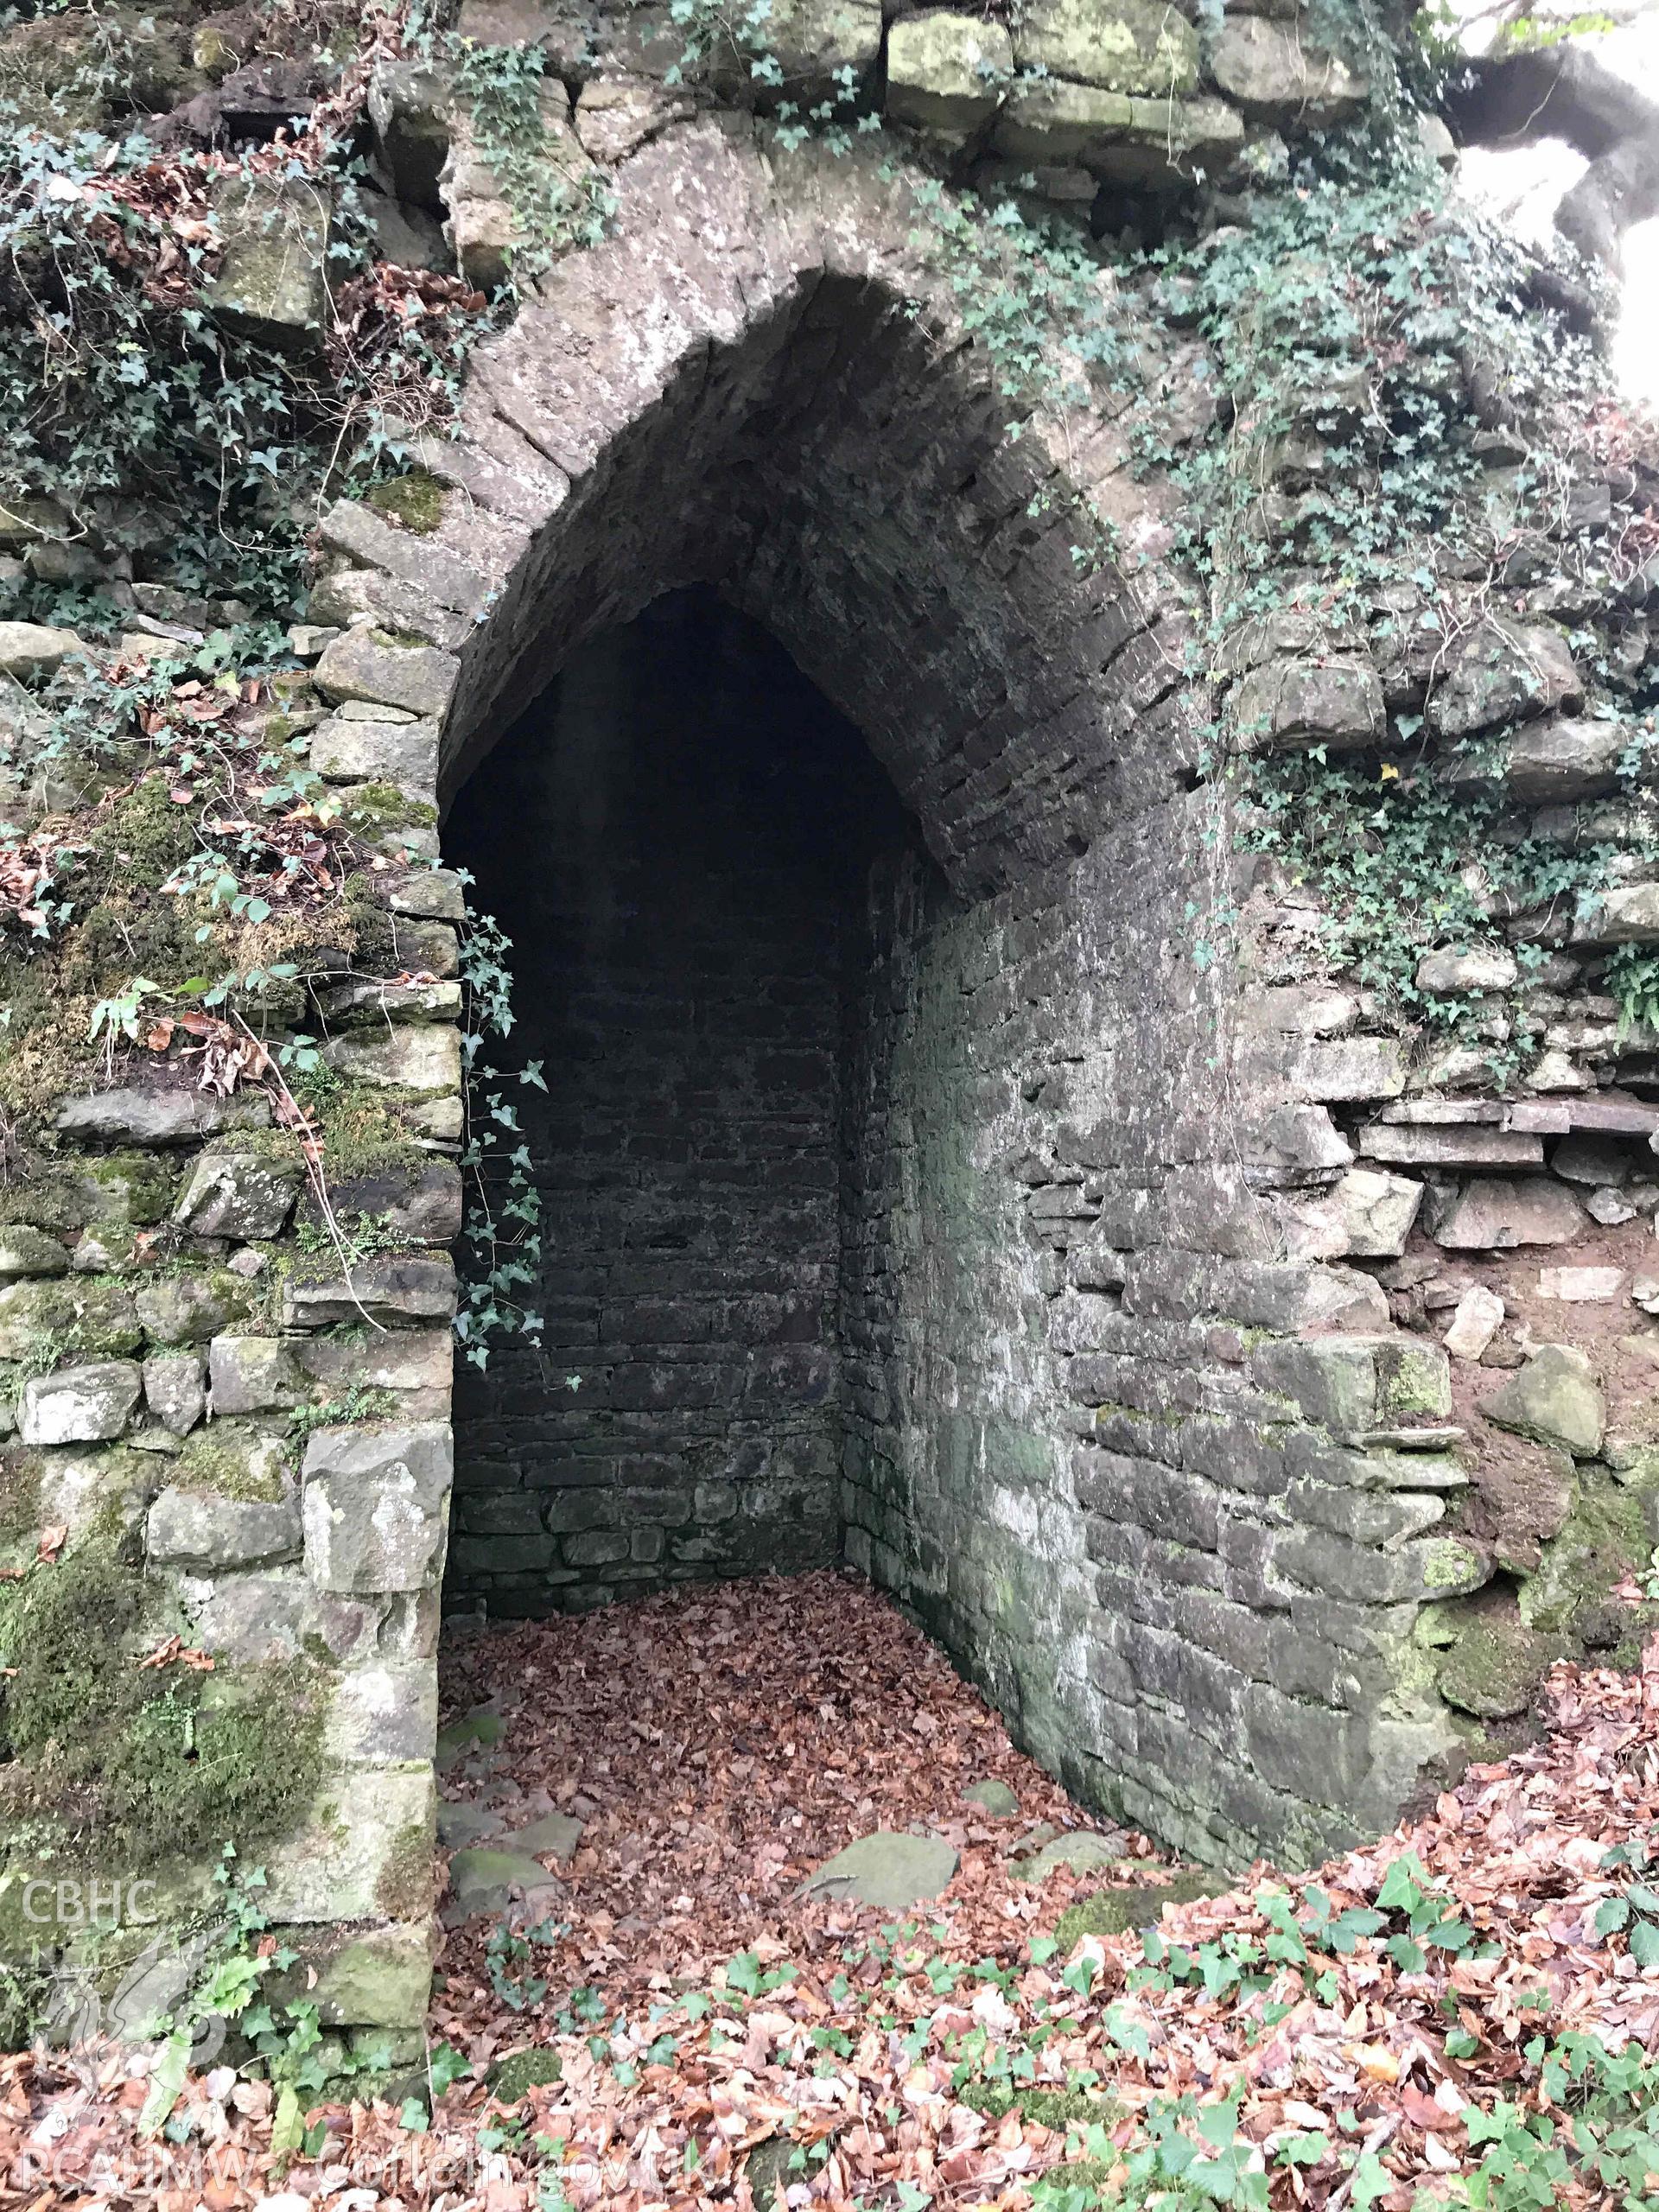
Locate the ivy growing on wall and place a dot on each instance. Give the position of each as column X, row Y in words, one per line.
column 558, row 202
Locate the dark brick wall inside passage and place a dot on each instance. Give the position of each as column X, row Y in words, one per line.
column 679, row 836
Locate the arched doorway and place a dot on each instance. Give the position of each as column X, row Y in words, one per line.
column 702, row 871
column 1059, row 1453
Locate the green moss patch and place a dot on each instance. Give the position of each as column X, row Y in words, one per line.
column 522, row 2071
column 1056, row 2108
column 20, row 1502
column 224, row 1461
column 1603, row 1539
column 415, row 501
column 1497, row 1666
column 1113, row 1912
column 146, row 834
column 373, row 809
column 148, row 1763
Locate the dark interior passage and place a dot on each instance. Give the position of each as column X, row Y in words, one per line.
column 679, row 838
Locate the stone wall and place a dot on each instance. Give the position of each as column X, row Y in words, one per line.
column 1054, row 1273
column 1141, row 1256
column 676, row 840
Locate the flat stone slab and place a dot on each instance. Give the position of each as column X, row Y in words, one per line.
column 461, row 1824
column 1081, row 1852
column 887, row 1870
column 486, row 1880
column 994, row 1797
column 473, row 1731
column 556, row 1836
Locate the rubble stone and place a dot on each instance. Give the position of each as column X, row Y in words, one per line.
column 1498, row 1212
column 1554, row 1398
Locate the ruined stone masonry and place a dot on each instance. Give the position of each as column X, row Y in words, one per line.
column 1252, row 1396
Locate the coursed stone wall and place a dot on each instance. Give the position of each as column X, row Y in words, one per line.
column 1148, row 1401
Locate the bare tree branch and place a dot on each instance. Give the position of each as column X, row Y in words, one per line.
column 1565, row 92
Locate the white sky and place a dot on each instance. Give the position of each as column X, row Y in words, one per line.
column 1523, row 188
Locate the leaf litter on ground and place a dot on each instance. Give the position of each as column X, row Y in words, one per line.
column 1465, row 2013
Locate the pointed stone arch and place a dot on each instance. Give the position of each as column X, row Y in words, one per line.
column 757, row 384
column 1069, row 1450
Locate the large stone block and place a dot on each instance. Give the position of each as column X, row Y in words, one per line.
column 361, row 1977
column 1627, row 914
column 251, row 1374
column 410, row 110
column 188, row 1309
column 945, row 71
column 1467, row 1144
column 812, row 40
column 1504, row 672
column 1545, row 764
column 1361, row 1574
column 402, row 754
column 384, row 1716
column 277, row 1616
column 1498, row 1212
column 376, row 1501
column 1275, row 71
column 1365, row 1214
column 1123, row 46
column 418, row 1362
column 1352, row 1384
column 1346, row 1068
column 390, row 1288
column 358, row 666
column 1555, row 1399
column 26, row 1251
column 239, row 1194
column 80, row 1405
column 207, row 1534
column 1292, row 704
column 366, row 1852
column 272, row 276
column 1169, row 139
column 175, row 1389
column 419, row 1059
column 146, row 1114
column 35, row 648
column 433, row 571
column 81, row 1492
column 1047, row 119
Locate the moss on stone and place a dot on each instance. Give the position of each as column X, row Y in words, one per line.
column 50, row 1200
column 1448, row 1564
column 1056, row 2108
column 129, row 933
column 522, row 2071
column 1603, row 1539
column 363, row 1134
column 373, row 809
column 150, row 1763
column 408, row 1874
column 20, row 1502
column 414, row 499
column 225, row 1461
column 145, row 834
column 227, row 1757
column 138, row 1186
column 1494, row 1668
column 1115, row 1912
column 365, row 927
